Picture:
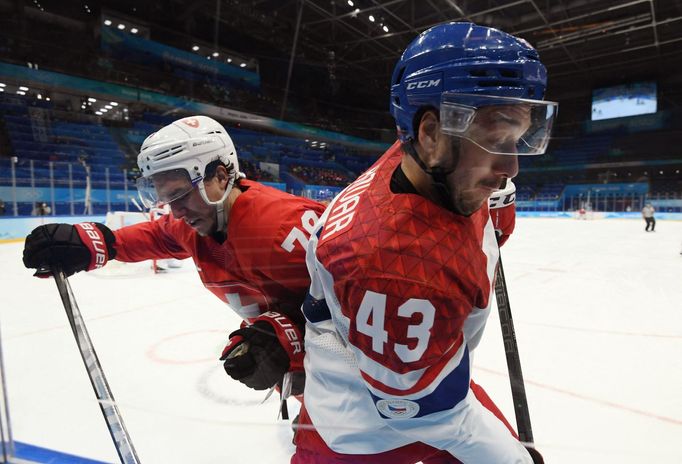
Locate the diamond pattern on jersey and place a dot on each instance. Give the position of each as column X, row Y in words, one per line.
column 405, row 246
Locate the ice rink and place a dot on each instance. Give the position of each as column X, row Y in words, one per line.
column 597, row 307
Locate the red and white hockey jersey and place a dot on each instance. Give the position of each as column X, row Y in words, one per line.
column 259, row 268
column 401, row 290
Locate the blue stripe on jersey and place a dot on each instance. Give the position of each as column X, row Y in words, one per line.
column 452, row 389
column 316, row 310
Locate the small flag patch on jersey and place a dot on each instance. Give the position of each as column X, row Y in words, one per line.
column 398, row 409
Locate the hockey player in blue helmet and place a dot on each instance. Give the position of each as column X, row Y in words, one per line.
column 403, row 260
column 478, row 102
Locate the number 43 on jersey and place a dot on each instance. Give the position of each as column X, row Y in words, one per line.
column 371, row 321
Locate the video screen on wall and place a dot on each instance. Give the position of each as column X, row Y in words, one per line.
column 624, row 100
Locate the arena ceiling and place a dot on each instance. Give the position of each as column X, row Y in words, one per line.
column 584, row 43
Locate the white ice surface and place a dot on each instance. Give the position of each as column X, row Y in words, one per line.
column 597, row 307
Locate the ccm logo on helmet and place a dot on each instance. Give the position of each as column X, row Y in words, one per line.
column 423, row 84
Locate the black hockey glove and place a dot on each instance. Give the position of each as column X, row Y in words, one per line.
column 255, row 356
column 74, row 248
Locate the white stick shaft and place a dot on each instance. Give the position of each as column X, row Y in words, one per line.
column 112, row 416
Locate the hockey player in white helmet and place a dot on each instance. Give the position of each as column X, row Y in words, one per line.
column 246, row 239
column 191, row 155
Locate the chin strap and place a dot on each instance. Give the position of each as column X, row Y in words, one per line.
column 221, row 219
column 438, row 174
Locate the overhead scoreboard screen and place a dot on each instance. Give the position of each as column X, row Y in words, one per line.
column 624, row 100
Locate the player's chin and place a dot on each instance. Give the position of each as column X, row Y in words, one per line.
column 204, row 228
column 469, row 203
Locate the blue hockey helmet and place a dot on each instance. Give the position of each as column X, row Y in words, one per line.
column 459, row 57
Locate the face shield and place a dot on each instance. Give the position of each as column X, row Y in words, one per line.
column 166, row 187
column 499, row 125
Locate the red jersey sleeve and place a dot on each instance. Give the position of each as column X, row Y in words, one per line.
column 151, row 240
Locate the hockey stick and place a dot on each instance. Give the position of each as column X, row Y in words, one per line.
column 511, row 351
column 117, row 430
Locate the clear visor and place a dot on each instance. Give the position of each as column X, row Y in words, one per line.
column 165, row 187
column 499, row 125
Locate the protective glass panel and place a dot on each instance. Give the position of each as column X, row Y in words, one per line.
column 499, row 125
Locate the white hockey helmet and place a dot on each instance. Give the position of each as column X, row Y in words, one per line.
column 182, row 150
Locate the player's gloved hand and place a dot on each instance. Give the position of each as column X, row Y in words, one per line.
column 81, row 247
column 255, row 357
column 503, row 211
column 260, row 354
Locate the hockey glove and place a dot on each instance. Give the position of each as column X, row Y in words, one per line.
column 260, row 354
column 503, row 211
column 74, row 248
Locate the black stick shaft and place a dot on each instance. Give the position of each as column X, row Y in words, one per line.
column 112, row 416
column 511, row 351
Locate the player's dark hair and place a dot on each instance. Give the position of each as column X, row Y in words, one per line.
column 212, row 167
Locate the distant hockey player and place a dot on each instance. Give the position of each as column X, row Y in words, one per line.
column 247, row 241
column 648, row 215
column 402, row 262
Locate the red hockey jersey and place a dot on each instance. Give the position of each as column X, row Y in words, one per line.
column 407, row 274
column 401, row 290
column 261, row 265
